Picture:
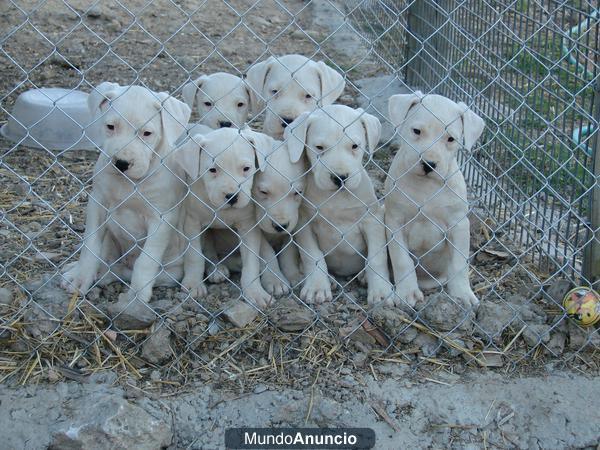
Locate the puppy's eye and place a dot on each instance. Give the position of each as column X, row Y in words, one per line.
column 274, row 91
column 209, row 104
column 308, row 96
column 354, row 146
column 246, row 168
column 319, row 147
column 450, row 139
column 265, row 193
column 110, row 126
column 297, row 193
column 416, row 131
column 212, row 170
column 147, row 133
column 240, row 105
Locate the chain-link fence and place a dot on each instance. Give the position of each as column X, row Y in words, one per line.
column 315, row 237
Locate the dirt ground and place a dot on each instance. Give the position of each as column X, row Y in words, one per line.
column 517, row 374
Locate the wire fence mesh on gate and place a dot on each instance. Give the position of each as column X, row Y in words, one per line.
column 530, row 69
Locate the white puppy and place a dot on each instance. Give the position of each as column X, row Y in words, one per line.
column 291, row 85
column 426, row 196
column 222, row 165
column 223, row 99
column 277, row 193
column 341, row 222
column 133, row 208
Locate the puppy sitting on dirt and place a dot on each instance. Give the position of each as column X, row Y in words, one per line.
column 277, row 193
column 341, row 222
column 222, row 165
column 133, row 208
column 223, row 100
column 291, row 85
column 426, row 196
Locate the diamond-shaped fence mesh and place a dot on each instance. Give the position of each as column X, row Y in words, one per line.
column 336, row 229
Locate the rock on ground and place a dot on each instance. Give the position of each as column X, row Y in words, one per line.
column 78, row 416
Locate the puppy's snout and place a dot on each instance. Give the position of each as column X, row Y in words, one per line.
column 280, row 227
column 339, row 178
column 225, row 124
column 231, row 198
column 428, row 166
column 285, row 121
column 121, row 164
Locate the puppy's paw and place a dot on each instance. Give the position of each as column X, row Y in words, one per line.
column 407, row 295
column 77, row 278
column 275, row 284
column 380, row 291
column 316, row 289
column 257, row 295
column 196, row 289
column 295, row 278
column 465, row 295
column 219, row 274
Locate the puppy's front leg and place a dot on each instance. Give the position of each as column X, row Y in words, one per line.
column 316, row 287
column 272, row 279
column 458, row 268
column 289, row 261
column 250, row 250
column 405, row 275
column 216, row 272
column 193, row 259
column 148, row 264
column 82, row 274
column 378, row 275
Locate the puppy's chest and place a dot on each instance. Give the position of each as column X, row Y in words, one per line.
column 341, row 210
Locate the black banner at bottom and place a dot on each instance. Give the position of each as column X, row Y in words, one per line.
column 299, row 438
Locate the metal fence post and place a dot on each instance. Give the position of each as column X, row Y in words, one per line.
column 427, row 50
column 592, row 255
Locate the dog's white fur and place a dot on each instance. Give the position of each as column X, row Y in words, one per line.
column 290, row 85
column 277, row 193
column 132, row 214
column 341, row 224
column 426, row 196
column 222, row 163
column 222, row 99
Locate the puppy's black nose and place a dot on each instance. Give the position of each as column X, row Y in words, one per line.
column 428, row 166
column 121, row 164
column 231, row 198
column 280, row 227
column 338, row 179
column 225, row 124
column 285, row 121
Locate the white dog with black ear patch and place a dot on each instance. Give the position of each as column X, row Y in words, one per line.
column 426, row 196
column 222, row 99
column 133, row 208
column 222, row 165
column 341, row 221
column 290, row 85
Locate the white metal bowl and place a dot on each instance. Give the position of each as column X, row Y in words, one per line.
column 51, row 118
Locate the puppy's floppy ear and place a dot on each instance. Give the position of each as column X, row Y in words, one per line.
column 372, row 127
column 256, row 77
column 263, row 145
column 187, row 155
column 174, row 116
column 100, row 96
column 332, row 83
column 473, row 126
column 295, row 136
column 189, row 90
column 398, row 106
